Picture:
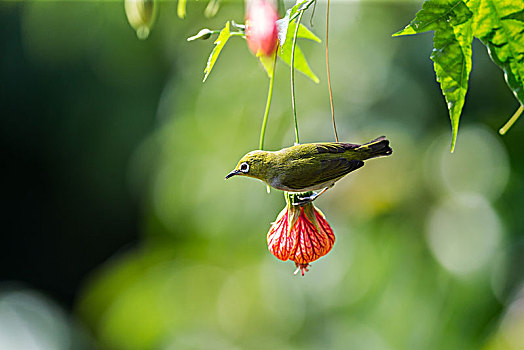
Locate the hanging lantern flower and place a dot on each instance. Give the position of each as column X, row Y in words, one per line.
column 300, row 233
column 261, row 27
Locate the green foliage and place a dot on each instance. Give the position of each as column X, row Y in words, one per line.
column 304, row 32
column 414, row 258
column 286, row 29
column 222, row 39
column 300, row 63
column 300, row 5
column 451, row 50
column 268, row 64
column 498, row 24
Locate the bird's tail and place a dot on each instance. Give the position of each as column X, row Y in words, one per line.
column 377, row 148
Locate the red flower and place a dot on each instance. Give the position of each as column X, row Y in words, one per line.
column 261, row 27
column 300, row 234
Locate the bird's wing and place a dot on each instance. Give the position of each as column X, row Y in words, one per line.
column 332, row 147
column 334, row 168
column 330, row 169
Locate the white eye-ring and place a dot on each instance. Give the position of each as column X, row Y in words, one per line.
column 244, row 167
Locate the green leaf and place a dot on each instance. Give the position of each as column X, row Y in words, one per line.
column 519, row 16
column 222, row 39
column 500, row 26
column 300, row 61
column 286, row 31
column 181, row 9
column 436, row 14
column 299, row 5
column 303, row 32
column 452, row 22
column 268, row 63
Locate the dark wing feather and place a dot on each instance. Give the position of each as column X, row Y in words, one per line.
column 330, row 169
column 334, row 147
column 334, row 168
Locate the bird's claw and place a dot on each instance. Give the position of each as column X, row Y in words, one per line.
column 299, row 200
column 310, row 197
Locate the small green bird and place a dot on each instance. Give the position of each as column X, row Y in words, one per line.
column 309, row 167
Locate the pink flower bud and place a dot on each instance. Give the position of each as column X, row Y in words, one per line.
column 261, row 27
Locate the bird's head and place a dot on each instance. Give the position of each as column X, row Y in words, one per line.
column 254, row 164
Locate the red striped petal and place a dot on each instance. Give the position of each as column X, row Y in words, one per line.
column 300, row 234
column 279, row 239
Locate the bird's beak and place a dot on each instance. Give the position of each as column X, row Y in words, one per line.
column 233, row 173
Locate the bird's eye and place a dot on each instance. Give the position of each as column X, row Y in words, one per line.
column 244, row 167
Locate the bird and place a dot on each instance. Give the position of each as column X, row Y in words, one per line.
column 310, row 166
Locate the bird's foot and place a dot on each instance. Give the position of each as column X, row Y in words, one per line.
column 310, row 197
column 303, row 200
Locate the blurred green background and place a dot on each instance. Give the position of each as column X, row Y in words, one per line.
column 119, row 231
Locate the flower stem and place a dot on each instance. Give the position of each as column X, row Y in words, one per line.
column 313, row 14
column 297, row 140
column 303, row 8
column 329, row 75
column 512, row 120
column 268, row 102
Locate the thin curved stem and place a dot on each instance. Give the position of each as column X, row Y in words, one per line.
column 313, row 14
column 511, row 121
column 268, row 102
column 305, row 6
column 297, row 140
column 329, row 75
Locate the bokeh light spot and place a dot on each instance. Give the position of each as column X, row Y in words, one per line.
column 29, row 321
column 479, row 164
column 463, row 233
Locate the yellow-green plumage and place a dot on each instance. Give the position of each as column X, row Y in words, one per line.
column 309, row 167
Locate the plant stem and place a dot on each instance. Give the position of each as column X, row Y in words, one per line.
column 268, row 102
column 313, row 14
column 329, row 75
column 297, row 141
column 304, row 8
column 511, row 121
